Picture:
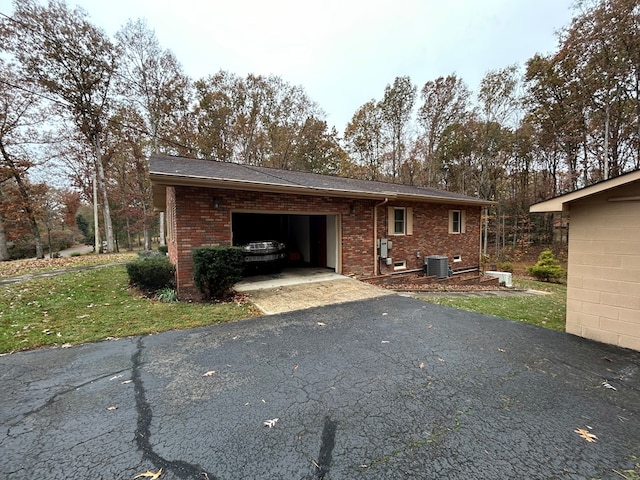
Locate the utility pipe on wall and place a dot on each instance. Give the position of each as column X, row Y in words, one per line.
column 376, row 266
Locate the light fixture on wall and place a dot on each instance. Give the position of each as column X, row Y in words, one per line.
column 216, row 203
column 352, row 209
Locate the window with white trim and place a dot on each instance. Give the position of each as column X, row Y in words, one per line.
column 457, row 221
column 400, row 221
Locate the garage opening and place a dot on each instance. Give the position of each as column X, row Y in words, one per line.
column 311, row 240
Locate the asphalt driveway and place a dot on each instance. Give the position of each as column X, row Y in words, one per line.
column 387, row 388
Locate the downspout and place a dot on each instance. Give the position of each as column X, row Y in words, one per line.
column 376, row 267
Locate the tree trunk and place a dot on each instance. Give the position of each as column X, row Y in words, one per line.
column 4, row 251
column 146, row 229
column 605, row 159
column 163, row 238
column 102, row 187
column 36, row 234
column 97, row 245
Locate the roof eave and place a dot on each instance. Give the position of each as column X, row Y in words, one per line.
column 548, row 206
column 164, row 180
column 561, row 203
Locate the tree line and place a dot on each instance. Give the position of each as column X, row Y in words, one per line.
column 73, row 100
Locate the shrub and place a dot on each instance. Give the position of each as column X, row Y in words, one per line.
column 505, row 267
column 151, row 273
column 216, row 270
column 547, row 267
column 163, row 249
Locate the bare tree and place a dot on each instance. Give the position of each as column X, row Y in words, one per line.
column 20, row 113
column 445, row 102
column 397, row 110
column 72, row 60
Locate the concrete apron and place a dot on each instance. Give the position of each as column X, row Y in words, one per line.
column 297, row 289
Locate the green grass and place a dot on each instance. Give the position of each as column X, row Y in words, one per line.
column 93, row 305
column 547, row 310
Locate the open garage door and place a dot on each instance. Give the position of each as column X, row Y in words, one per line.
column 311, row 240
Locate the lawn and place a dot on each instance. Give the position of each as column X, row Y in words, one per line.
column 545, row 310
column 32, row 265
column 93, row 305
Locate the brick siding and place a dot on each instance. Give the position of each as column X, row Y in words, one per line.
column 193, row 220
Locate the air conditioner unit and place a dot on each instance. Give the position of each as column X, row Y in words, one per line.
column 436, row 265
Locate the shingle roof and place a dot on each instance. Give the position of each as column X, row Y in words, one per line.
column 169, row 170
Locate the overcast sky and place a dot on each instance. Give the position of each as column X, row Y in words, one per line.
column 343, row 52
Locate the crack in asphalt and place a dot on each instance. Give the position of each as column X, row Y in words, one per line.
column 327, row 443
column 54, row 398
column 181, row 468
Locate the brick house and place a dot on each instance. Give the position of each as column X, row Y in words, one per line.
column 603, row 276
column 355, row 227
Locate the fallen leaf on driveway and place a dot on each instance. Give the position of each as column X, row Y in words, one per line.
column 209, row 373
column 321, row 324
column 270, row 423
column 588, row 436
column 421, row 365
column 149, row 474
column 111, row 408
column 502, row 350
column 295, row 367
column 606, row 384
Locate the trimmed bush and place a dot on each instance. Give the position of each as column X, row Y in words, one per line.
column 216, row 270
column 547, row 267
column 163, row 249
column 505, row 267
column 152, row 273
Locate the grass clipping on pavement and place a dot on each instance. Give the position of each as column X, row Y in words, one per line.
column 92, row 305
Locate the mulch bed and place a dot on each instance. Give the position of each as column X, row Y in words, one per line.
column 416, row 282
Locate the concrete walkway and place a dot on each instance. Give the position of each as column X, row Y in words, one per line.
column 302, row 288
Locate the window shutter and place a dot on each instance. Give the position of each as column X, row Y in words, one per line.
column 390, row 221
column 450, row 221
column 463, row 221
column 409, row 220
